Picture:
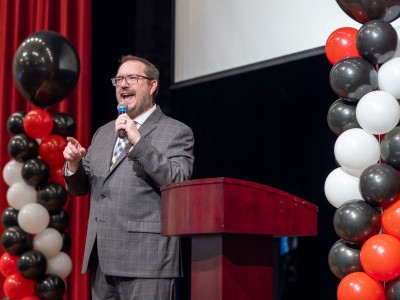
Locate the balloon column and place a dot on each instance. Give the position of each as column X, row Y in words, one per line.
column 365, row 187
column 35, row 261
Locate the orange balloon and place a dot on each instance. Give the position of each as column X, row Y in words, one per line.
column 380, row 257
column 359, row 286
column 341, row 44
column 391, row 219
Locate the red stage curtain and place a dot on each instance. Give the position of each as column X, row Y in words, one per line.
column 71, row 18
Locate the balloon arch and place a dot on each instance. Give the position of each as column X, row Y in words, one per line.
column 365, row 187
column 35, row 261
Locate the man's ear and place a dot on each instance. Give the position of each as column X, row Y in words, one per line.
column 154, row 84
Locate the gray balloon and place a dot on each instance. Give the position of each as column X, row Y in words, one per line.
column 353, row 77
column 355, row 221
column 390, row 148
column 380, row 185
column 342, row 116
column 377, row 41
column 344, row 258
column 393, row 290
column 363, row 11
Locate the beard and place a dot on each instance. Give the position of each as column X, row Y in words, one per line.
column 142, row 105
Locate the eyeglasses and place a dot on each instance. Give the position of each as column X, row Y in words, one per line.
column 130, row 79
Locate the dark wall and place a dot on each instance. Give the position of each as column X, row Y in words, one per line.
column 267, row 126
column 128, row 27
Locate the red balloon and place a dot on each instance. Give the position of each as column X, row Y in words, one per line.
column 16, row 286
column 56, row 174
column 8, row 264
column 30, row 298
column 391, row 219
column 341, row 44
column 359, row 286
column 380, row 257
column 51, row 149
column 38, row 123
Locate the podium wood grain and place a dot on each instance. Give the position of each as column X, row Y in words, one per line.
column 232, row 224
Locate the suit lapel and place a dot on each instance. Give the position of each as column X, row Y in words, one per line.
column 151, row 122
column 148, row 126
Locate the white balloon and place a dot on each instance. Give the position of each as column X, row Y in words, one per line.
column 12, row 172
column 356, row 149
column 378, row 112
column 33, row 218
column 389, row 77
column 49, row 242
column 20, row 194
column 341, row 187
column 60, row 265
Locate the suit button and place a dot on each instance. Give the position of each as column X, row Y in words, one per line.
column 95, row 219
column 102, row 196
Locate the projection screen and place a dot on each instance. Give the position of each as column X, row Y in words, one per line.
column 215, row 38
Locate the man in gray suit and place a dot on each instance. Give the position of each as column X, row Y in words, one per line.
column 127, row 256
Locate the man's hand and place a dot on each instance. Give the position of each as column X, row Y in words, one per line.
column 73, row 154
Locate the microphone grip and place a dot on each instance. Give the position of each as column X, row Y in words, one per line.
column 121, row 134
column 122, row 107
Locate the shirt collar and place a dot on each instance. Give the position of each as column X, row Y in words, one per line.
column 139, row 120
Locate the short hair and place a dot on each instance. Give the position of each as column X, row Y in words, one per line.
column 150, row 71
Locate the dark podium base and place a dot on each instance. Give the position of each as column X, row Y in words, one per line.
column 230, row 266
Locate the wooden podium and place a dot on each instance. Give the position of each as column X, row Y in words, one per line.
column 232, row 224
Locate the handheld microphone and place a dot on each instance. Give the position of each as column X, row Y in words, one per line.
column 122, row 107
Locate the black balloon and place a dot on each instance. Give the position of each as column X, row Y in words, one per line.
column 344, row 258
column 32, row 264
column 380, row 185
column 64, row 124
column 15, row 123
column 50, row 287
column 393, row 290
column 45, row 68
column 342, row 116
column 352, row 78
column 9, row 217
column 59, row 220
column 35, row 172
column 377, row 41
column 355, row 221
column 363, row 11
column 52, row 196
column 390, row 148
column 22, row 147
column 15, row 241
column 67, row 243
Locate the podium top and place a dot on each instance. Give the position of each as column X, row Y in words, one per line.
column 227, row 205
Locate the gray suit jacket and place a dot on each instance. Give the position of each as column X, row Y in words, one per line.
column 125, row 201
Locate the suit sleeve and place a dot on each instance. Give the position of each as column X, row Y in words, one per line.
column 172, row 163
column 77, row 184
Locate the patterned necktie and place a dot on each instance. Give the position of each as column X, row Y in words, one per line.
column 119, row 147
